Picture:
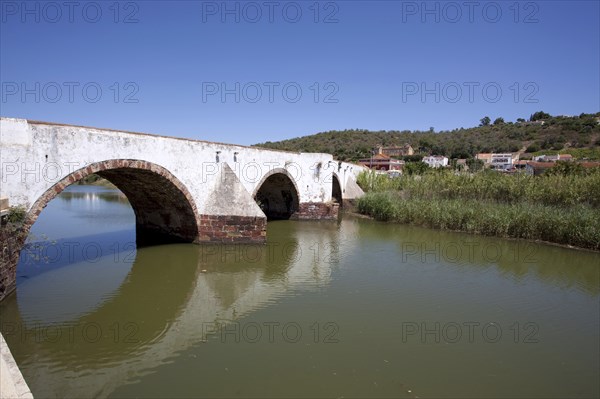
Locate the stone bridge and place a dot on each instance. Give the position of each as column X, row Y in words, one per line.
column 180, row 189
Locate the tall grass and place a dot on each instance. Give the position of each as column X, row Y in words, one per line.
column 371, row 181
column 578, row 226
column 492, row 186
column 559, row 209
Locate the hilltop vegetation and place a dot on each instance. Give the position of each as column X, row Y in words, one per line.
column 543, row 133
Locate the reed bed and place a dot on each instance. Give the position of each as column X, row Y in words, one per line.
column 554, row 208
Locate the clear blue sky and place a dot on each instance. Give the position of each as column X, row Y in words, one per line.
column 369, row 64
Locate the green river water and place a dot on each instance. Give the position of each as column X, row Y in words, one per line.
column 353, row 308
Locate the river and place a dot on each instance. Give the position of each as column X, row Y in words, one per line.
column 354, row 308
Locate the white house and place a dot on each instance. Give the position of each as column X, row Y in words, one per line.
column 503, row 161
column 436, row 161
column 553, row 158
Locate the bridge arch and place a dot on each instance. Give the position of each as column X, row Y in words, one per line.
column 164, row 208
column 336, row 190
column 277, row 194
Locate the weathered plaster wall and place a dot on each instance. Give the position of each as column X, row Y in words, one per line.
column 37, row 155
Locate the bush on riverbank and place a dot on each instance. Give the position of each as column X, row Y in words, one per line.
column 554, row 208
column 95, row 180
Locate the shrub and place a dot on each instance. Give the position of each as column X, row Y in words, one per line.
column 16, row 214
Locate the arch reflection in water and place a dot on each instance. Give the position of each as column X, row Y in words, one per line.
column 160, row 308
column 83, row 269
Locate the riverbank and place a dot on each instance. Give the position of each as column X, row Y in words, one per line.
column 12, row 383
column 95, row 180
column 563, row 210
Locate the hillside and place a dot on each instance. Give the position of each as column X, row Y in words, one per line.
column 579, row 135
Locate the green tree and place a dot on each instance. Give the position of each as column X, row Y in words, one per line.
column 499, row 121
column 413, row 158
column 565, row 168
column 538, row 116
column 415, row 168
column 485, row 121
column 425, row 145
column 474, row 164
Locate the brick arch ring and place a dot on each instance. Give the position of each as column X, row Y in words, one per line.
column 116, row 165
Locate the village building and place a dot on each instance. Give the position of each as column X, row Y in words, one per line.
column 382, row 162
column 436, row 161
column 537, row 168
column 486, row 157
column 398, row 151
column 521, row 165
column 553, row 158
column 502, row 162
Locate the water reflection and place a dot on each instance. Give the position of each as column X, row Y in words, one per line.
column 130, row 322
column 517, row 260
column 159, row 308
column 81, row 211
column 92, row 197
column 39, row 257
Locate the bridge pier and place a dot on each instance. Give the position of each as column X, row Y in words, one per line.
column 232, row 229
column 12, row 239
column 317, row 211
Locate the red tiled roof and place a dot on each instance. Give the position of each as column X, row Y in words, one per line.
column 541, row 165
column 381, row 156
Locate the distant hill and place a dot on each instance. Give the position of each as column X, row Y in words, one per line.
column 543, row 133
